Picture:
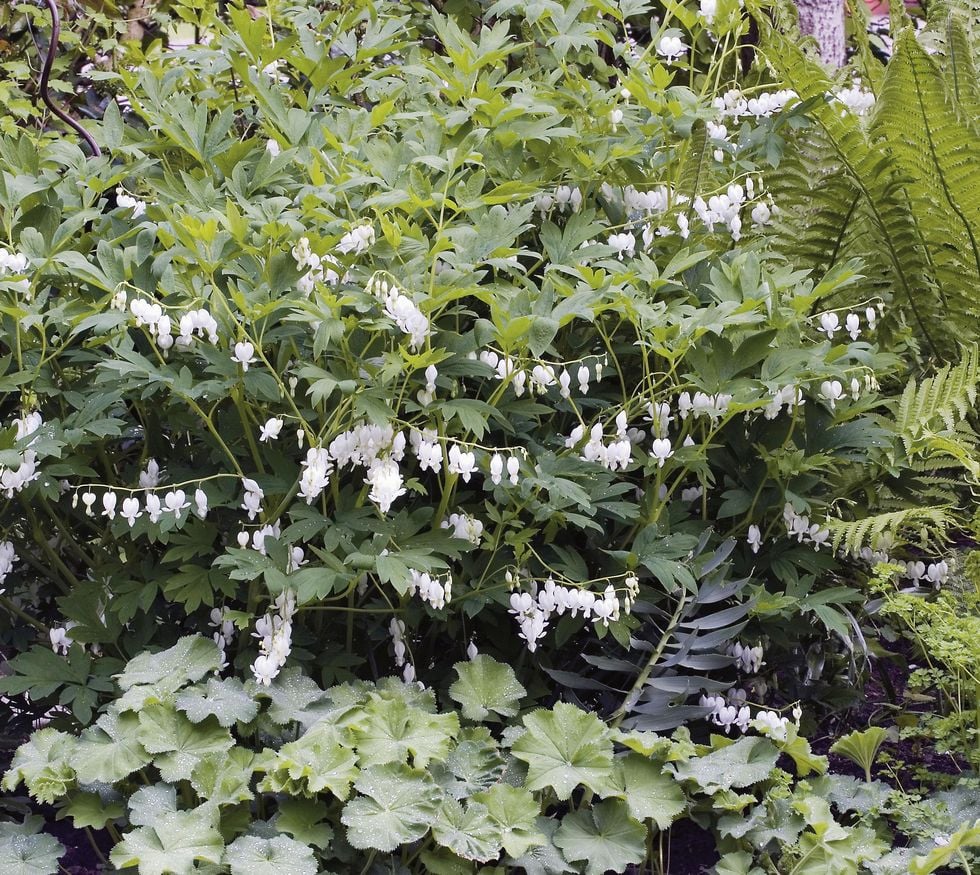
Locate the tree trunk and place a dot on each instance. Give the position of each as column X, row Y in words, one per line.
column 824, row 20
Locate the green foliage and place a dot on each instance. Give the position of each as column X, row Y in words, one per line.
column 861, row 747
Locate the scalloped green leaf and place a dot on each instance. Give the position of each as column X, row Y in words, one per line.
column 227, row 700
column 605, row 836
column 564, row 748
column 43, row 763
column 174, row 842
column 251, row 855
column 486, row 686
column 25, row 850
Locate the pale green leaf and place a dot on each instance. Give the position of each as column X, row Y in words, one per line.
column 564, row 748
column 393, row 730
column 88, row 809
column 605, row 836
column 25, row 850
column 177, row 744
column 173, row 843
column 43, row 763
column 303, row 819
column 748, row 761
column 315, row 762
column 396, row 806
column 224, row 778
column 486, row 685
column 227, row 700
column 649, row 793
column 515, row 811
column 110, row 750
column 251, row 855
column 190, row 659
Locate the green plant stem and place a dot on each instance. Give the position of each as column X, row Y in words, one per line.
column 22, row 615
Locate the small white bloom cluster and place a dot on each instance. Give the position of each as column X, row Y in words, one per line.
column 14, row 264
column 799, row 526
column 315, row 473
column 748, row 660
column 734, row 104
column 359, row 239
column 174, row 501
column 772, row 724
column 789, row 396
column 397, row 630
column 534, row 612
column 854, row 98
column 402, row 310
column 194, row 324
column 375, row 447
column 729, row 711
column 916, row 570
column 244, row 354
column 258, row 536
column 462, row 463
column 427, row 395
column 275, row 633
column 702, row 404
column 438, row 593
column 722, row 209
column 13, row 480
column 830, row 323
column 542, row 376
column 513, row 465
column 7, row 559
column 465, row 527
column 616, row 455
column 127, row 202
column 565, row 197
column 252, row 498
column 319, row 269
column 224, row 635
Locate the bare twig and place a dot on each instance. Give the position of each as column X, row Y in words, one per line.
column 46, row 75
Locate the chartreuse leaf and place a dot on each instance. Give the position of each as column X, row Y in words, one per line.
column 25, row 850
column 292, row 695
column 486, row 685
column 177, row 744
column 174, row 842
column 227, row 700
column 44, row 765
column 396, row 806
column 251, row 855
column 110, row 750
column 563, row 748
column 738, row 863
column 303, row 819
column 474, row 764
column 224, row 778
column 746, row 762
column 861, row 747
column 393, row 730
column 315, row 762
column 88, row 809
column 515, row 812
column 649, row 793
column 604, row 835
column 468, row 832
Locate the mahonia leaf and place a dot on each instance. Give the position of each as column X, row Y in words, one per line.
column 315, row 762
column 604, row 835
column 173, row 843
column 189, row 660
column 565, row 747
column 251, row 855
column 515, row 811
column 227, row 700
column 649, row 793
column 392, row 730
column 25, row 850
column 177, row 744
column 468, row 832
column 397, row 806
column 303, row 819
column 110, row 750
column 224, row 778
column 486, row 685
column 44, row 765
column 741, row 764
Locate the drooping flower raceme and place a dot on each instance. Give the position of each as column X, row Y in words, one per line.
column 386, row 482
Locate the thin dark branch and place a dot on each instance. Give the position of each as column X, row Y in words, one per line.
column 46, row 75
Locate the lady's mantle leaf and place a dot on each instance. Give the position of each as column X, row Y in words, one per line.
column 25, row 850
column 392, row 730
column 172, row 844
column 515, row 811
column 746, row 762
column 469, row 833
column 110, row 750
column 315, row 762
column 190, row 659
column 397, row 806
column 649, row 793
column 606, row 836
column 228, row 700
column 43, row 764
column 566, row 747
column 486, row 685
column 250, row 855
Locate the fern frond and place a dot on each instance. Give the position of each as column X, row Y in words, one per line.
column 949, row 395
column 850, row 536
